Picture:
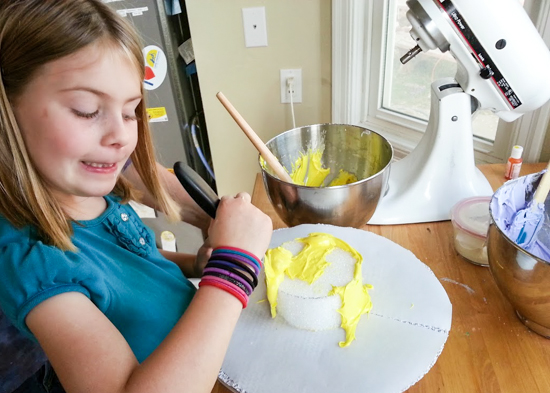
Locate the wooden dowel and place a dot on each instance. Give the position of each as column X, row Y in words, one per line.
column 544, row 186
column 255, row 139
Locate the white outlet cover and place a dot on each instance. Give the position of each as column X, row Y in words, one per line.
column 297, row 85
column 255, row 27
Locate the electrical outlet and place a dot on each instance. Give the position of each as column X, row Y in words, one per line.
column 255, row 28
column 296, row 75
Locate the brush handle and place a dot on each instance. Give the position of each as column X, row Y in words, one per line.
column 255, row 139
column 544, row 186
column 197, row 188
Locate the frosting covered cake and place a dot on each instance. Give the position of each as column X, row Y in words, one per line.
column 315, row 283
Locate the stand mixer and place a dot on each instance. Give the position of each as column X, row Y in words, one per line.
column 502, row 65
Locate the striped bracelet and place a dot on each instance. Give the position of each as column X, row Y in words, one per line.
column 226, row 286
column 238, row 251
column 233, row 270
column 231, row 277
column 250, row 279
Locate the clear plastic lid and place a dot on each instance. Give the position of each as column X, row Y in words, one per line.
column 472, row 215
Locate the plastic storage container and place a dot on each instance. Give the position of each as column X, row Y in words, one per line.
column 471, row 218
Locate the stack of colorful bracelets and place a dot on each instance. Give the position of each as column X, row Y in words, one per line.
column 234, row 270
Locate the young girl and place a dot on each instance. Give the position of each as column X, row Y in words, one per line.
column 79, row 272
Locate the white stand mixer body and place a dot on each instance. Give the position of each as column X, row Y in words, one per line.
column 497, row 49
column 440, row 171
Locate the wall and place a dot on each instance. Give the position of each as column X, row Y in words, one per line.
column 545, row 153
column 533, row 8
column 299, row 36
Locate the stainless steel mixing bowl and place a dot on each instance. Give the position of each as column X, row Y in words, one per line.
column 357, row 150
column 523, row 278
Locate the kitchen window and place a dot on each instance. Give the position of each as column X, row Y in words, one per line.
column 371, row 88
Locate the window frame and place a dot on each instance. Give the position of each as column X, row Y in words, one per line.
column 358, row 40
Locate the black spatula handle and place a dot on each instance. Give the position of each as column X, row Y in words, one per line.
column 197, row 188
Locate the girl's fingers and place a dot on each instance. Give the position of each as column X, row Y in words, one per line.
column 241, row 195
column 244, row 196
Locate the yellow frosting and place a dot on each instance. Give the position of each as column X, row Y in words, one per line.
column 316, row 174
column 355, row 302
column 276, row 261
column 343, row 179
column 308, row 265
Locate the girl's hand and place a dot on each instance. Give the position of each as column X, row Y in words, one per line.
column 203, row 255
column 240, row 224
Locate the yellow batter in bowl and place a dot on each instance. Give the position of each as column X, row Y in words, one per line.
column 308, row 171
column 310, row 164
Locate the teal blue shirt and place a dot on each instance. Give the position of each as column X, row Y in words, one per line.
column 117, row 266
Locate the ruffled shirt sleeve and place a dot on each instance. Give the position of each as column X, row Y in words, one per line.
column 117, row 266
column 31, row 272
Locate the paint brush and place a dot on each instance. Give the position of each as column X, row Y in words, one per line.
column 530, row 219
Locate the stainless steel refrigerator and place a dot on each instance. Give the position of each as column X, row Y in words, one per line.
column 173, row 92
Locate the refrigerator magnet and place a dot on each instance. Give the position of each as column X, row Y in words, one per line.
column 155, row 67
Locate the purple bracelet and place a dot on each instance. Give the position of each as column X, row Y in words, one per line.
column 235, row 252
column 237, row 264
column 235, row 277
column 229, row 257
column 233, row 267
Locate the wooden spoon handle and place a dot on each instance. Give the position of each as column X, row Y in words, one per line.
column 544, row 186
column 255, row 139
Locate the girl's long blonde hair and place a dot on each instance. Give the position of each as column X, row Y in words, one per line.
column 33, row 33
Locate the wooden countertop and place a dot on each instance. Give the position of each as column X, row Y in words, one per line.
column 488, row 349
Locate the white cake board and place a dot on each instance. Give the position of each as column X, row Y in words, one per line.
column 395, row 346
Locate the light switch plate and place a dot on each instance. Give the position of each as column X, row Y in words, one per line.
column 255, row 28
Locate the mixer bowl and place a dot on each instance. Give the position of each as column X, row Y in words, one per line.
column 523, row 278
column 357, row 150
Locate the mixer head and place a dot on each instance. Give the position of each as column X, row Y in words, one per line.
column 496, row 46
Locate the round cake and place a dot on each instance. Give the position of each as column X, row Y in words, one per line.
column 315, row 283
